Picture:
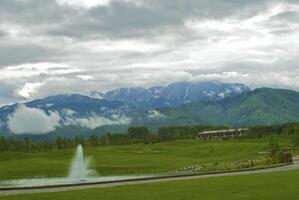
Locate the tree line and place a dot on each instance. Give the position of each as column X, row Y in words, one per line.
column 136, row 135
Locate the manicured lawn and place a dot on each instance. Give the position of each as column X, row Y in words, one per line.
column 128, row 159
column 271, row 186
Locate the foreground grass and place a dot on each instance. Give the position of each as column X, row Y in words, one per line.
column 128, row 159
column 274, row 186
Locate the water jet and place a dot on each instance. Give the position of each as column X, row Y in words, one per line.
column 79, row 173
column 80, row 167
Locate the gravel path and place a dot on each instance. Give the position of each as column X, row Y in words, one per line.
column 162, row 179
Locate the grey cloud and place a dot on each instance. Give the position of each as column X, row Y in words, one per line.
column 121, row 19
column 127, row 20
column 7, row 93
column 32, row 13
column 2, row 33
column 12, row 54
column 283, row 23
column 292, row 16
column 54, row 33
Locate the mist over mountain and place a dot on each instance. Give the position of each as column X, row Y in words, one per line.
column 69, row 110
column 181, row 103
column 114, row 108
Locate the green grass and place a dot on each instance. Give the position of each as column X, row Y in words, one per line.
column 132, row 159
column 274, row 186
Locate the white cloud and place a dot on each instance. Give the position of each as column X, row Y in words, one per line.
column 85, row 77
column 88, row 4
column 93, row 120
column 68, row 112
column 29, row 89
column 32, row 120
column 84, row 3
column 246, row 39
column 111, row 46
column 78, row 46
column 154, row 114
column 34, row 69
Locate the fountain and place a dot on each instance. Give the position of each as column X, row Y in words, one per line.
column 79, row 168
column 79, row 173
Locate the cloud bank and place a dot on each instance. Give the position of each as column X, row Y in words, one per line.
column 93, row 120
column 106, row 44
column 32, row 120
column 36, row 121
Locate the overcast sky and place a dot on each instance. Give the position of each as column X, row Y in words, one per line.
column 50, row 47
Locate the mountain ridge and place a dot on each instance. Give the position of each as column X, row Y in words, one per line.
column 262, row 106
column 120, row 106
column 175, row 94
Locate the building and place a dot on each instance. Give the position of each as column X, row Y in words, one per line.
column 222, row 134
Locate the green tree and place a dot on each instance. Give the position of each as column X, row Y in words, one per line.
column 93, row 140
column 273, row 145
column 139, row 134
column 28, row 144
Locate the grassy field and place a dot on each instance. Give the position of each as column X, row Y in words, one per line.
column 133, row 159
column 274, row 186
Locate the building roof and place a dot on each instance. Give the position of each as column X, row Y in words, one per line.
column 223, row 131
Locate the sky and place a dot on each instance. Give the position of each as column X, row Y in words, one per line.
column 50, row 47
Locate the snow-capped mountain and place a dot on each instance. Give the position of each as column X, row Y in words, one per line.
column 116, row 107
column 175, row 94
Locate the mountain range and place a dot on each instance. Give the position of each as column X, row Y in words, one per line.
column 181, row 103
column 121, row 105
column 263, row 106
column 174, row 94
